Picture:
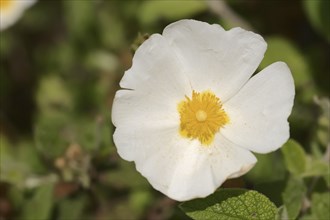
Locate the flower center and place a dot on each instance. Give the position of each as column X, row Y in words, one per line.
column 201, row 116
column 5, row 4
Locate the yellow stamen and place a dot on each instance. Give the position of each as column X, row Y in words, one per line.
column 201, row 117
column 5, row 4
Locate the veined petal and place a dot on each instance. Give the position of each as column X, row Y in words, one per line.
column 259, row 111
column 214, row 58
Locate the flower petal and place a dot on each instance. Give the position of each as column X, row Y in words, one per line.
column 155, row 67
column 136, row 142
column 258, row 112
column 139, row 117
column 201, row 170
column 147, row 110
column 158, row 85
column 214, row 58
column 183, row 169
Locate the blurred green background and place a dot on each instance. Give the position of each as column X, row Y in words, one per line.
column 60, row 67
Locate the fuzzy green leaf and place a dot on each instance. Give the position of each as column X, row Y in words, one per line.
column 293, row 196
column 282, row 213
column 72, row 208
column 316, row 167
column 40, row 205
column 294, row 157
column 12, row 170
column 53, row 96
column 231, row 204
column 321, row 205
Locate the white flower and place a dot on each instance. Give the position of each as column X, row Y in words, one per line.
column 189, row 114
column 12, row 10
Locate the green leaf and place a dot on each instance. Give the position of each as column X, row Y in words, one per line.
column 40, row 205
column 139, row 200
column 53, row 95
column 327, row 179
column 16, row 197
column 12, row 170
column 282, row 213
column 72, row 208
column 231, row 204
column 124, row 174
column 51, row 134
column 294, row 157
column 318, row 14
column 321, row 205
column 267, row 163
column 272, row 190
column 316, row 167
column 293, row 196
column 322, row 131
column 151, row 11
column 27, row 153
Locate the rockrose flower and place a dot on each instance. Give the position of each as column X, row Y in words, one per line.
column 189, row 113
column 12, row 10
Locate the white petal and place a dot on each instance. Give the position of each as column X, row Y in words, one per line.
column 149, row 108
column 142, row 119
column 181, row 168
column 201, row 170
column 258, row 112
column 214, row 58
column 134, row 142
column 154, row 65
column 143, row 108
